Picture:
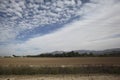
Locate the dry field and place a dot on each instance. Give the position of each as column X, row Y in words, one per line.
column 35, row 63
column 61, row 77
column 64, row 65
column 60, row 61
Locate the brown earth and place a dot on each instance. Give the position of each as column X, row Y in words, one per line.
column 61, row 77
column 60, row 61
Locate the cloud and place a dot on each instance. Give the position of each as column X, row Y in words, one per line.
column 97, row 27
column 29, row 14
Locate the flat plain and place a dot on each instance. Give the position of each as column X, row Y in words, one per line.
column 53, row 62
column 61, row 77
column 60, row 62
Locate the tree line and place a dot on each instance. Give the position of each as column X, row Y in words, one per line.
column 77, row 54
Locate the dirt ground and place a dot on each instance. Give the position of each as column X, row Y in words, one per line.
column 60, row 77
column 60, row 61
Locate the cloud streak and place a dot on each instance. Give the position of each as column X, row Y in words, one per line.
column 28, row 14
column 97, row 26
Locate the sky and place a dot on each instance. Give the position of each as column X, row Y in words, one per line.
column 38, row 26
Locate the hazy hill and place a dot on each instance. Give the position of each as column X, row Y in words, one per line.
column 81, row 53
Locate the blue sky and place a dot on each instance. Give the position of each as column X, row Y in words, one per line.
column 36, row 26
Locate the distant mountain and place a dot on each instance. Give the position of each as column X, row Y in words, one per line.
column 106, row 51
column 57, row 52
column 81, row 53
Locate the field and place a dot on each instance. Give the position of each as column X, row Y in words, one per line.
column 61, row 77
column 80, row 68
column 58, row 62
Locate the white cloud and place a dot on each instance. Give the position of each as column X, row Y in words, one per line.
column 27, row 16
column 96, row 28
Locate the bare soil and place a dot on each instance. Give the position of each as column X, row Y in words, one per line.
column 61, row 77
column 60, row 61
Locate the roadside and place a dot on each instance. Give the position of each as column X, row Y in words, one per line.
column 60, row 77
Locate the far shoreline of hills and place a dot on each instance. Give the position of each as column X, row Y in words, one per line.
column 115, row 52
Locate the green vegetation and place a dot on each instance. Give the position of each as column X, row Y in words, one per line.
column 77, row 54
column 27, row 70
